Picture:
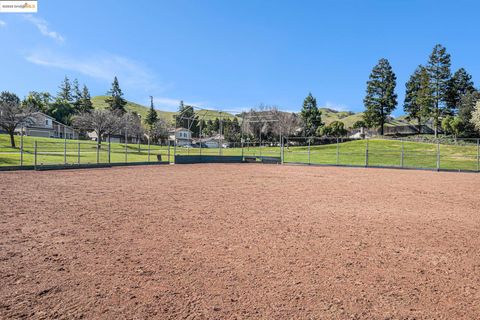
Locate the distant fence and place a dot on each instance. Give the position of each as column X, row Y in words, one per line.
column 44, row 153
column 434, row 154
column 395, row 130
column 458, row 155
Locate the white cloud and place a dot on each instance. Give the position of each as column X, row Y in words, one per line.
column 336, row 106
column 102, row 67
column 2, row 23
column 42, row 26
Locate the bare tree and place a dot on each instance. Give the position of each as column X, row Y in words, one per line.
column 287, row 123
column 158, row 131
column 132, row 124
column 13, row 113
column 102, row 122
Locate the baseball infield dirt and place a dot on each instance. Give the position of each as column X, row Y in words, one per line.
column 239, row 241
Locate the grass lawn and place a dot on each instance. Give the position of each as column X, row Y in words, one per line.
column 380, row 153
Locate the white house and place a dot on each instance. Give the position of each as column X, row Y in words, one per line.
column 42, row 125
column 182, row 136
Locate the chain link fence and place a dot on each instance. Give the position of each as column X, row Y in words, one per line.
column 42, row 152
column 419, row 153
column 435, row 154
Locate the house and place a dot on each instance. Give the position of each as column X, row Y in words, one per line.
column 42, row 125
column 182, row 136
column 213, row 142
column 115, row 138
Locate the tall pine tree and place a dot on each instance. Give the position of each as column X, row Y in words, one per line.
column 65, row 93
column 418, row 102
column 381, row 98
column 86, row 104
column 439, row 72
column 115, row 101
column 459, row 84
column 311, row 116
column 76, row 96
column 152, row 116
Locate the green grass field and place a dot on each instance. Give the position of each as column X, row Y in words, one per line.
column 381, row 152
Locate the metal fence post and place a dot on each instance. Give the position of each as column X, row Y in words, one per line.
column 148, row 149
column 366, row 154
column 126, row 146
column 403, row 154
column 308, row 150
column 65, row 151
column 169, row 152
column 109, row 150
column 21, row 149
column 478, row 155
column 98, row 153
column 282, row 151
column 35, row 153
column 338, row 153
column 78, row 153
column 438, row 155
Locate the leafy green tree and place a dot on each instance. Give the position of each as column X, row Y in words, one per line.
column 381, row 98
column 39, row 101
column 62, row 108
column 334, row 129
column 439, row 73
column 452, row 125
column 311, row 115
column 187, row 118
column 359, row 124
column 465, row 108
column 459, row 84
column 232, row 130
column 152, row 116
column 418, row 102
column 115, row 101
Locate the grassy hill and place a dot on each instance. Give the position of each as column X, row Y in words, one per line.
column 349, row 118
column 99, row 103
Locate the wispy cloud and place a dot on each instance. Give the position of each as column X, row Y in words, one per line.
column 336, row 106
column 101, row 66
column 42, row 26
column 2, row 23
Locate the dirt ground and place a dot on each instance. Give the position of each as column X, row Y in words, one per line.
column 239, row 241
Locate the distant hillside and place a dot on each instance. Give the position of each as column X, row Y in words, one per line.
column 99, row 103
column 349, row 118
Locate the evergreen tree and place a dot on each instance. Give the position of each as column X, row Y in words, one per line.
column 381, row 98
column 65, row 93
column 76, row 96
column 85, row 100
column 115, row 100
column 418, row 102
column 187, row 118
column 152, row 116
column 62, row 109
column 458, row 85
column 311, row 116
column 439, row 72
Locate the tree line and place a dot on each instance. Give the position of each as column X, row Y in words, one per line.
column 73, row 106
column 432, row 93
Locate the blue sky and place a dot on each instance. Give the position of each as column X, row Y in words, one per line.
column 232, row 55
